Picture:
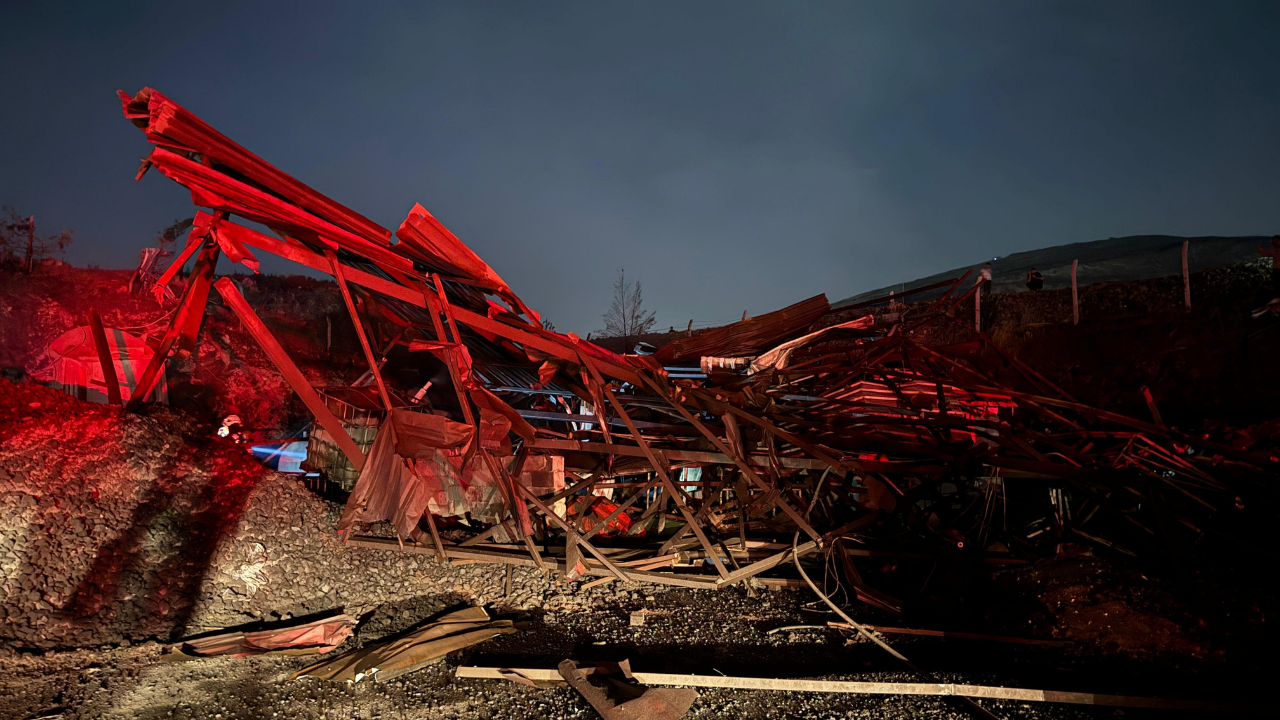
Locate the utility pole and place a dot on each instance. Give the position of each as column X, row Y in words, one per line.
column 31, row 239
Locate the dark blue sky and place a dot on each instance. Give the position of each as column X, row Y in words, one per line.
column 731, row 156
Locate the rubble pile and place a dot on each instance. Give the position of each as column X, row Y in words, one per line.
column 867, row 448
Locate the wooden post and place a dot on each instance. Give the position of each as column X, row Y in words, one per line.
column 31, row 241
column 364, row 340
column 104, row 358
column 1186, row 277
column 977, row 308
column 572, row 532
column 291, row 373
column 443, row 299
column 1075, row 295
column 190, row 331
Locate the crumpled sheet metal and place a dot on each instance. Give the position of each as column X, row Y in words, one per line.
column 311, row 638
column 387, row 489
column 778, row 357
column 387, row 659
column 418, row 465
column 615, row 694
column 747, row 337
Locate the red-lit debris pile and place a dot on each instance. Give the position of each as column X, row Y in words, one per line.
column 118, row 527
column 720, row 450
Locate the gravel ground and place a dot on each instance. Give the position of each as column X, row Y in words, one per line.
column 684, row 631
column 723, row 632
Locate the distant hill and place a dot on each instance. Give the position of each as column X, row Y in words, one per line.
column 1138, row 257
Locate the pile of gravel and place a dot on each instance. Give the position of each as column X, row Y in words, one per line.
column 118, row 528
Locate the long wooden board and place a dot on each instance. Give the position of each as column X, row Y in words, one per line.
column 980, row 692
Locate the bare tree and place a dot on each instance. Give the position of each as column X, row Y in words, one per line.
column 627, row 317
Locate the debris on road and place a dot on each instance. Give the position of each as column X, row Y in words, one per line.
column 310, row 638
column 614, row 693
column 410, row 651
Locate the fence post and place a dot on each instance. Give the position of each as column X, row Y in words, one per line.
column 977, row 308
column 1186, row 277
column 1075, row 295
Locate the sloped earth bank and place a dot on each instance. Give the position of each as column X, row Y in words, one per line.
column 120, row 532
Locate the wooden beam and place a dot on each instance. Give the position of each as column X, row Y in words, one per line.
column 981, row 692
column 254, row 325
column 104, row 358
column 690, row 456
column 415, row 297
column 1075, row 295
column 190, row 330
column 768, row 563
column 336, row 269
column 523, row 560
column 742, row 465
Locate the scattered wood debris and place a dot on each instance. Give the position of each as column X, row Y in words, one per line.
column 404, row 653
column 614, row 693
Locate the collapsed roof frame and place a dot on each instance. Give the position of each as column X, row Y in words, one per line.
column 819, row 413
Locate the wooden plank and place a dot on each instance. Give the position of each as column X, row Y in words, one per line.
column 981, row 692
column 453, row 358
column 1075, row 295
column 190, row 330
column 768, row 563
column 194, row 240
column 690, row 456
column 218, row 191
column 415, row 297
column 523, row 560
column 107, row 362
column 1186, row 277
column 253, row 324
column 167, row 119
column 336, row 268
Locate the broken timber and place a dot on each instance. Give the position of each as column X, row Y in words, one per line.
column 978, row 692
